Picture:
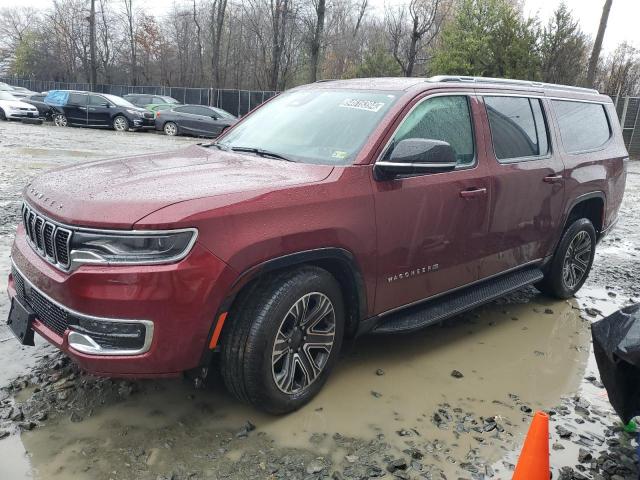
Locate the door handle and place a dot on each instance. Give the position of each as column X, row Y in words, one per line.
column 473, row 192
column 553, row 178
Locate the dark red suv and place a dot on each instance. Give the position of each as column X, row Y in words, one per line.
column 335, row 209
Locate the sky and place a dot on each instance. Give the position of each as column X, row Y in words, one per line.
column 624, row 18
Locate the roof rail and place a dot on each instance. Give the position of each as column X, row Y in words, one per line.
column 507, row 81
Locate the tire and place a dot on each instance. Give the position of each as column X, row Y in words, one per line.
column 170, row 129
column 571, row 262
column 2, row 115
column 260, row 341
column 120, row 123
column 60, row 120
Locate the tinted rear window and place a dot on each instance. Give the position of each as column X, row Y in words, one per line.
column 583, row 126
column 518, row 128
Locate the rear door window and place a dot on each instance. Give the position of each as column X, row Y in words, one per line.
column 189, row 109
column 518, row 127
column 97, row 100
column 583, row 126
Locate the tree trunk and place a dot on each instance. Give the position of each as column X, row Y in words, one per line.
column 316, row 41
column 218, row 10
column 92, row 43
column 597, row 45
column 132, row 41
column 413, row 48
column 279, row 12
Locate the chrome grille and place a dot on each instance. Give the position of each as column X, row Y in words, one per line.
column 47, row 239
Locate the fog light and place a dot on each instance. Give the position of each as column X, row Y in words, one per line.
column 111, row 337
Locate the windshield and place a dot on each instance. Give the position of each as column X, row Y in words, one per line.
column 313, row 126
column 121, row 102
column 7, row 96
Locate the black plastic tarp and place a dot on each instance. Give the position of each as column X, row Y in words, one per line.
column 616, row 344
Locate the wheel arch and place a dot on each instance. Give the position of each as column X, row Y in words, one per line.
column 591, row 206
column 339, row 262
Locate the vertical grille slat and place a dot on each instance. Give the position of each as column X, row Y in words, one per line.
column 62, row 246
column 38, row 232
column 48, row 232
column 46, row 238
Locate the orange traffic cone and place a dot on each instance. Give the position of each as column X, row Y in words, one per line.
column 534, row 457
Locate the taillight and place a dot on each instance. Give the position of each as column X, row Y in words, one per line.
column 157, row 114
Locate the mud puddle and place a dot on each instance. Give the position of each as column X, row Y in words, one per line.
column 513, row 357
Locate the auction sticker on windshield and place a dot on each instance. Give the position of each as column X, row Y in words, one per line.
column 362, row 104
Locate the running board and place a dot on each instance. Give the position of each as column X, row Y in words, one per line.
column 452, row 304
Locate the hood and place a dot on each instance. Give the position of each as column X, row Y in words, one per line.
column 17, row 104
column 116, row 193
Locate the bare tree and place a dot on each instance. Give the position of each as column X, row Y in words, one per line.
column 411, row 28
column 14, row 23
column 315, row 42
column 216, row 26
column 597, row 45
column 279, row 10
column 129, row 15
column 92, row 43
column 620, row 73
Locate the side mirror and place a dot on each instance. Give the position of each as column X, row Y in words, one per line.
column 418, row 155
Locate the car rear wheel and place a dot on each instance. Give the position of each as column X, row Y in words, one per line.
column 170, row 129
column 60, row 120
column 572, row 260
column 120, row 124
column 281, row 343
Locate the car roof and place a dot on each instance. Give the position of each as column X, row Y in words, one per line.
column 403, row 84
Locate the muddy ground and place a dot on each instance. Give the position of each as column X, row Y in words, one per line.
column 391, row 409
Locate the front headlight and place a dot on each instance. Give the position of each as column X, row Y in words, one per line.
column 135, row 112
column 130, row 248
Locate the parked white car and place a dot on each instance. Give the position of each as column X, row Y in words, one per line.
column 12, row 108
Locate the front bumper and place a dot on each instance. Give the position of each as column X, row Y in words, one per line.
column 177, row 301
column 143, row 122
column 20, row 114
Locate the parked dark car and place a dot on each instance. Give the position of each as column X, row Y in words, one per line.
column 150, row 101
column 87, row 109
column 197, row 120
column 37, row 100
column 332, row 210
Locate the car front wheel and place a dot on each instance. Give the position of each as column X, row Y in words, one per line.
column 120, row 124
column 2, row 115
column 60, row 120
column 572, row 261
column 283, row 340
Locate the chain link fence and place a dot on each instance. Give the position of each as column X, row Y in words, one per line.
column 628, row 109
column 237, row 102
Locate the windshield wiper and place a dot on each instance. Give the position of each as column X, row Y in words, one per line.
column 219, row 145
column 262, row 153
